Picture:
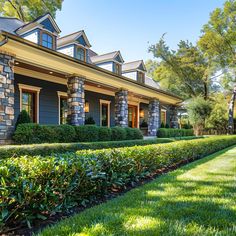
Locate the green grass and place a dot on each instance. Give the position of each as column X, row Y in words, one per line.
column 198, row 199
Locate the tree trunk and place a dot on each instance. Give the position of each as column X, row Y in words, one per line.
column 231, row 113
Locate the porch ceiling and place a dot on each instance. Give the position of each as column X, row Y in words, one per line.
column 42, row 60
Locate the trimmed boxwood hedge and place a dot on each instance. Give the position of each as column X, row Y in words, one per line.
column 48, row 149
column 168, row 133
column 35, row 187
column 34, row 133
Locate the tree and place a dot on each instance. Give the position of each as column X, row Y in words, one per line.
column 28, row 10
column 218, row 41
column 199, row 110
column 151, row 67
column 185, row 71
column 218, row 119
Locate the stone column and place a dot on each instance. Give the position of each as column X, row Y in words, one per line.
column 6, row 98
column 153, row 117
column 121, row 108
column 174, row 117
column 75, row 100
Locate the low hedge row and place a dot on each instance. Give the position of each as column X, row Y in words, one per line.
column 35, row 187
column 48, row 149
column 34, row 133
column 167, row 133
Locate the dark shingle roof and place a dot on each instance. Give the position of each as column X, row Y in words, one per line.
column 133, row 65
column 106, row 57
column 10, row 24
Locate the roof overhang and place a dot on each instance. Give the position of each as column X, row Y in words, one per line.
column 36, row 55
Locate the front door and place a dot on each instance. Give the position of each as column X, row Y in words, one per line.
column 133, row 118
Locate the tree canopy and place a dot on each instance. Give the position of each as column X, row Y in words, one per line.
column 28, row 10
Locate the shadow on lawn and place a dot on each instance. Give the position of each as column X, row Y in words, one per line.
column 169, row 206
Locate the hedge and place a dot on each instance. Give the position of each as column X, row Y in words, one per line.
column 167, row 133
column 48, row 149
column 35, row 187
column 34, row 133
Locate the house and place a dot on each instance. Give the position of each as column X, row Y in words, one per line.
column 61, row 79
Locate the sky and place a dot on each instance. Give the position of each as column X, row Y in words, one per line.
column 131, row 26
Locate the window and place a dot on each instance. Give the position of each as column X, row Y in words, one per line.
column 117, row 68
column 80, row 54
column 47, row 40
column 63, row 107
column 105, row 113
column 163, row 116
column 29, row 101
column 141, row 77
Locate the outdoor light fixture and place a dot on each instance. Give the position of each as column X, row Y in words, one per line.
column 141, row 113
column 86, row 108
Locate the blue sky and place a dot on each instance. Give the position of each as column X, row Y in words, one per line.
column 132, row 25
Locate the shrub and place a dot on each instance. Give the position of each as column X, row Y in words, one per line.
column 34, row 133
column 162, row 125
column 104, row 134
column 35, row 187
column 144, row 124
column 167, row 126
column 23, row 118
column 48, row 149
column 133, row 133
column 118, row 133
column 167, row 133
column 90, row 121
column 87, row 133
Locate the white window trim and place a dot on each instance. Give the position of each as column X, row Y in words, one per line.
column 109, row 111
column 60, row 94
column 163, row 110
column 34, row 89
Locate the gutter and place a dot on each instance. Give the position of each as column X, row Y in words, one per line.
column 55, row 53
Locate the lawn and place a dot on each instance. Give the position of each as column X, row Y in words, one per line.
column 198, row 199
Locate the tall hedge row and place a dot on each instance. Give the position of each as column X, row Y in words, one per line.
column 34, row 133
column 168, row 133
column 35, row 187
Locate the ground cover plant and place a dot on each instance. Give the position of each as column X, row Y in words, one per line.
column 198, row 199
column 35, row 187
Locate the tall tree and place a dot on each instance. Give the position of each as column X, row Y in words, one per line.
column 185, row 71
column 218, row 41
column 28, row 10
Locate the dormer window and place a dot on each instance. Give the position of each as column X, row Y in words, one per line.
column 141, row 77
column 117, row 68
column 81, row 53
column 47, row 40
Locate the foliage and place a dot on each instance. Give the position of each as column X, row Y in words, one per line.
column 35, row 133
column 198, row 110
column 218, row 119
column 35, row 187
column 167, row 133
column 28, row 10
column 48, row 149
column 144, row 124
column 151, row 66
column 193, row 200
column 162, row 125
column 90, row 121
column 186, row 71
column 23, row 118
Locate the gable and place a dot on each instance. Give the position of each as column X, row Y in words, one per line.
column 141, row 67
column 47, row 24
column 118, row 58
column 81, row 40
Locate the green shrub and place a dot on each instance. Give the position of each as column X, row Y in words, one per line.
column 90, row 121
column 167, row 126
column 35, row 187
column 118, row 133
column 48, row 149
column 104, row 134
column 133, row 133
column 23, row 118
column 167, row 133
column 34, row 133
column 162, row 125
column 87, row 133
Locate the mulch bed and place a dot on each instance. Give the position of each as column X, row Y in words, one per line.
column 23, row 230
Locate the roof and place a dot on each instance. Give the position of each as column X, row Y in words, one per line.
column 106, row 57
column 38, row 20
column 10, row 24
column 71, row 38
column 149, row 81
column 133, row 66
